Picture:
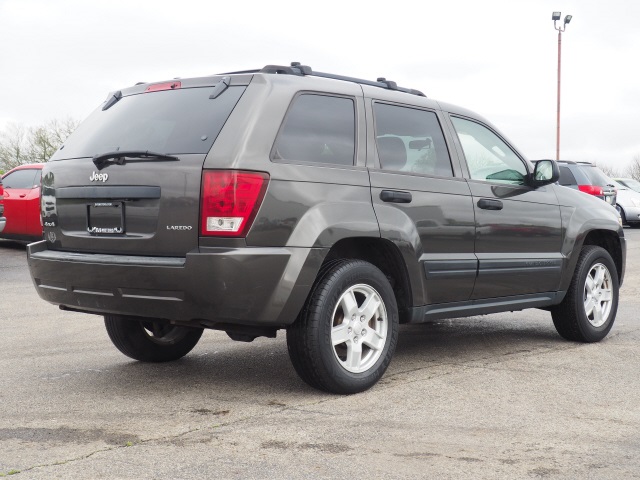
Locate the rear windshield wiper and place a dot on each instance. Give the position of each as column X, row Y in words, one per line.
column 124, row 156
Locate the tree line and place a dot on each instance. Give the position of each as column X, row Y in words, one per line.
column 20, row 145
column 631, row 171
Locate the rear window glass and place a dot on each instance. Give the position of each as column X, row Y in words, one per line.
column 318, row 129
column 596, row 176
column 27, row 178
column 566, row 177
column 170, row 122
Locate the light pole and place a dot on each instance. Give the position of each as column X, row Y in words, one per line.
column 555, row 17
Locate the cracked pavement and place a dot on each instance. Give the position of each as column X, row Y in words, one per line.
column 500, row 396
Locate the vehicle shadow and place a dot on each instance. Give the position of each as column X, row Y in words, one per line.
column 263, row 367
column 13, row 244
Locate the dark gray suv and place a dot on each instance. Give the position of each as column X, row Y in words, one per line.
column 331, row 207
column 587, row 178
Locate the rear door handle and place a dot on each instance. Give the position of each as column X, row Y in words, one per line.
column 395, row 196
column 490, row 204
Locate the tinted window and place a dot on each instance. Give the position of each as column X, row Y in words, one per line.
column 488, row 157
column 319, row 129
column 22, row 179
column 410, row 140
column 170, row 121
column 566, row 177
column 596, row 175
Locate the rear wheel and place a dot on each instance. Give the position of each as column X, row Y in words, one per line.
column 150, row 340
column 589, row 309
column 346, row 334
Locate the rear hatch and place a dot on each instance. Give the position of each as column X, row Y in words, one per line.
column 600, row 179
column 127, row 181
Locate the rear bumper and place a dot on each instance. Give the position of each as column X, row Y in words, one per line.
column 243, row 286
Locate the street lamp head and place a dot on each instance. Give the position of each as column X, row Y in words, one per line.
column 567, row 19
column 555, row 16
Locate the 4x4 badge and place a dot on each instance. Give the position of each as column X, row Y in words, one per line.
column 98, row 177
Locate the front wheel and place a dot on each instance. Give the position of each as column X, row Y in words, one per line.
column 346, row 334
column 589, row 309
column 150, row 340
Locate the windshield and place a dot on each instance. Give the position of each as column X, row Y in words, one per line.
column 631, row 183
column 169, row 122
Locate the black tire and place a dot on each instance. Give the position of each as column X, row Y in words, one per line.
column 623, row 217
column 571, row 318
column 150, row 340
column 340, row 368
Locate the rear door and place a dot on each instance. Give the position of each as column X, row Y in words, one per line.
column 420, row 203
column 518, row 228
column 134, row 204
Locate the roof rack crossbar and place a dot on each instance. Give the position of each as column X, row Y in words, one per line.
column 297, row 69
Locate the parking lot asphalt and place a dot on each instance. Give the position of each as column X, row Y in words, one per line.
column 494, row 397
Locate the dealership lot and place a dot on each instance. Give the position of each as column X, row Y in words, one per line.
column 501, row 396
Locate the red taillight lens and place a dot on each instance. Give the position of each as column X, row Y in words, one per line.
column 230, row 201
column 158, row 87
column 591, row 189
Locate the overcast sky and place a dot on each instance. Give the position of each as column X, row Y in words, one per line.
column 60, row 58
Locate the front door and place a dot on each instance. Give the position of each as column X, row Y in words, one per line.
column 20, row 186
column 518, row 227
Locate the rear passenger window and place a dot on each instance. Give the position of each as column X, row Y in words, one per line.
column 318, row 129
column 410, row 140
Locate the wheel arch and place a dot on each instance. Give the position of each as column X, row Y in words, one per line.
column 610, row 241
column 386, row 256
column 607, row 239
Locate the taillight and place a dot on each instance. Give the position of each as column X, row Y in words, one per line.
column 158, row 87
column 591, row 189
column 230, row 201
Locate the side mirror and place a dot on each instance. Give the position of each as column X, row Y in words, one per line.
column 544, row 173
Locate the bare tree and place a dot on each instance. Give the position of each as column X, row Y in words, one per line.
column 13, row 146
column 633, row 170
column 608, row 170
column 19, row 145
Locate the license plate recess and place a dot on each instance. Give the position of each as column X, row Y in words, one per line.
column 105, row 218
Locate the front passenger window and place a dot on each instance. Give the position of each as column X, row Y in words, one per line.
column 488, row 157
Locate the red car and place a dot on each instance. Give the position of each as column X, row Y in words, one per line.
column 3, row 221
column 22, row 203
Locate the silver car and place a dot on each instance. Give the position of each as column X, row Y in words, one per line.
column 630, row 183
column 628, row 204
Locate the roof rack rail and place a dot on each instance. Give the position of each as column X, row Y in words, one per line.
column 298, row 69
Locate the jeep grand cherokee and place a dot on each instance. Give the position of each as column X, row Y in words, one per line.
column 331, row 207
